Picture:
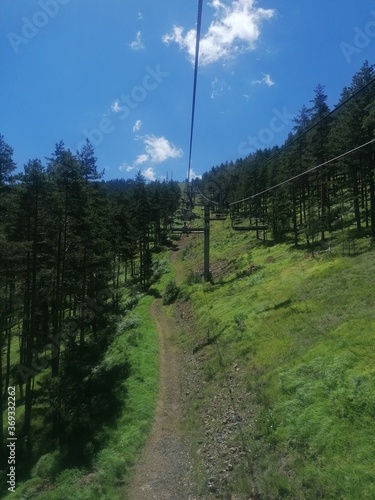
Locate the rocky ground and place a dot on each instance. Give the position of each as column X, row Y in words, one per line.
column 220, row 450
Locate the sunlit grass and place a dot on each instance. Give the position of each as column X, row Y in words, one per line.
column 302, row 329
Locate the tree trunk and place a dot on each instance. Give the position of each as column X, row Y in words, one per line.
column 3, row 399
column 83, row 306
column 372, row 203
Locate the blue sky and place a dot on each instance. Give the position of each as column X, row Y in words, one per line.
column 120, row 72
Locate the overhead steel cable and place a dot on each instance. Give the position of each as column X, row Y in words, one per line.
column 199, row 23
column 303, row 173
column 205, row 197
column 307, row 130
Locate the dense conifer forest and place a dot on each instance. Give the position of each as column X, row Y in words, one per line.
column 69, row 244
column 336, row 194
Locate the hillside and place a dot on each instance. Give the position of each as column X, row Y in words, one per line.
column 276, row 340
column 280, row 350
column 276, row 375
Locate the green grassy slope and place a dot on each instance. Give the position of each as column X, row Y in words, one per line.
column 295, row 336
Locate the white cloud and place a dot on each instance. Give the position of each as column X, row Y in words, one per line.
column 193, row 175
column 116, row 108
column 140, row 16
column 137, row 44
column 266, row 80
column 124, row 167
column 235, row 29
column 159, row 149
column 149, row 174
column 137, row 126
column 218, row 87
column 141, row 159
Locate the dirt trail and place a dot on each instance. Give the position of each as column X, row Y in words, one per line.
column 163, row 469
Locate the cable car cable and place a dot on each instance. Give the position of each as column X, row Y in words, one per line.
column 199, row 23
column 308, row 130
column 303, row 173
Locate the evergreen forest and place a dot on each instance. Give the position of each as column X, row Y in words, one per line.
column 324, row 171
column 70, row 244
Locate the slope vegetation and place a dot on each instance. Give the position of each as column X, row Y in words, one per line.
column 282, row 393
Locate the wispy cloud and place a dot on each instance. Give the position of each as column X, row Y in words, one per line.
column 266, row 80
column 218, row 87
column 124, row 167
column 115, row 107
column 141, row 159
column 235, row 29
column 137, row 126
column 137, row 44
column 140, row 16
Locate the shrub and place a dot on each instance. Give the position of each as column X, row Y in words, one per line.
column 160, row 267
column 130, row 322
column 171, row 292
column 48, row 466
column 193, row 277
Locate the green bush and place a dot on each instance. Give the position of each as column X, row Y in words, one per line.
column 193, row 278
column 171, row 292
column 129, row 322
column 48, row 466
column 161, row 267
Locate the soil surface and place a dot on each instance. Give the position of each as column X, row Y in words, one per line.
column 163, row 469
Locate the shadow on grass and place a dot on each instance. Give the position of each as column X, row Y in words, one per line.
column 154, row 292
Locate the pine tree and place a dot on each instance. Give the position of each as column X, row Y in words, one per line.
column 30, row 233
column 354, row 126
column 319, row 143
column 7, row 166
